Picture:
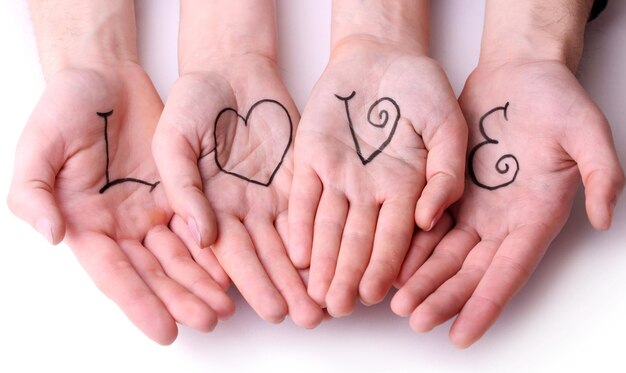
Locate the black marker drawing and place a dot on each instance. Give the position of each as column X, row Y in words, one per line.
column 109, row 183
column 383, row 116
column 502, row 166
column 245, row 120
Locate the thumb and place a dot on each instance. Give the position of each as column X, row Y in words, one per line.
column 445, row 166
column 176, row 148
column 603, row 177
column 38, row 159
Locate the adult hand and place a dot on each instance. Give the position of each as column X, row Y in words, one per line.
column 533, row 132
column 380, row 147
column 84, row 171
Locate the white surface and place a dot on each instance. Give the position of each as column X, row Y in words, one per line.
column 570, row 317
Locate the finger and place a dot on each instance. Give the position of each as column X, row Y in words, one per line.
column 602, row 175
column 178, row 264
column 112, row 272
column 236, row 253
column 445, row 168
column 354, row 255
column 393, row 237
column 271, row 251
column 184, row 306
column 176, row 155
column 38, row 158
column 510, row 268
column 329, row 222
column 303, row 201
column 445, row 261
column 450, row 297
column 205, row 258
column 422, row 245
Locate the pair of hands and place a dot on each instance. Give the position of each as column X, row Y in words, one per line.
column 353, row 224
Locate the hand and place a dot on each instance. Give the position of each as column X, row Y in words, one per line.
column 360, row 187
column 225, row 141
column 533, row 130
column 84, row 171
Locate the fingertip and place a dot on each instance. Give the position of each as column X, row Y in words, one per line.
column 273, row 311
column 401, row 305
column 340, row 302
column 308, row 315
column 460, row 338
column 600, row 214
column 421, row 322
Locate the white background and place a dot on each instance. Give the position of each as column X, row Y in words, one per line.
column 570, row 317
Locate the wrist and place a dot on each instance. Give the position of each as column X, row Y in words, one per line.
column 534, row 30
column 84, row 34
column 401, row 24
column 214, row 33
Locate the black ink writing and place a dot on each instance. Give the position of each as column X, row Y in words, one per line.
column 110, row 183
column 245, row 119
column 503, row 164
column 383, row 116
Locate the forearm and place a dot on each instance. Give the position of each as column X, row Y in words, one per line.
column 78, row 34
column 535, row 29
column 213, row 32
column 401, row 23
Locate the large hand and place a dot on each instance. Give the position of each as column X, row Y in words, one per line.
column 226, row 135
column 533, row 130
column 380, row 146
column 84, row 171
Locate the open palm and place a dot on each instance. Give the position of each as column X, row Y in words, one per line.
column 533, row 131
column 381, row 130
column 224, row 148
column 84, row 171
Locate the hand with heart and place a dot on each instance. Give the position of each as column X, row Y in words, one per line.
column 380, row 147
column 225, row 153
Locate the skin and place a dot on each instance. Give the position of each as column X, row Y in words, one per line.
column 353, row 223
column 122, row 237
column 244, row 224
column 559, row 137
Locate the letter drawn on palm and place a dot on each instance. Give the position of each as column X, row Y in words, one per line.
column 502, row 165
column 256, row 154
column 383, row 115
column 110, row 183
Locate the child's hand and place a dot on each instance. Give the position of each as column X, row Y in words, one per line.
column 380, row 146
column 225, row 141
column 533, row 132
column 84, row 172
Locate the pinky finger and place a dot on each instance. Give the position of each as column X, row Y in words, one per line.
column 509, row 270
column 115, row 276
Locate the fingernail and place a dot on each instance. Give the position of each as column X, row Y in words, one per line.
column 436, row 219
column 44, row 227
column 193, row 228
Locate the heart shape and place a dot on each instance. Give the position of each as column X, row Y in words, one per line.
column 252, row 163
column 383, row 115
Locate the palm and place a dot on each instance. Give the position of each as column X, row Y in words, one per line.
column 507, row 218
column 361, row 165
column 237, row 149
column 92, row 129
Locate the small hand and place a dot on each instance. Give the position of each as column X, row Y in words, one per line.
column 533, row 132
column 224, row 149
column 379, row 147
column 84, row 172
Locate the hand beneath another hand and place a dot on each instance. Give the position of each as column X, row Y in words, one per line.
column 225, row 142
column 84, row 171
column 533, row 130
column 380, row 146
